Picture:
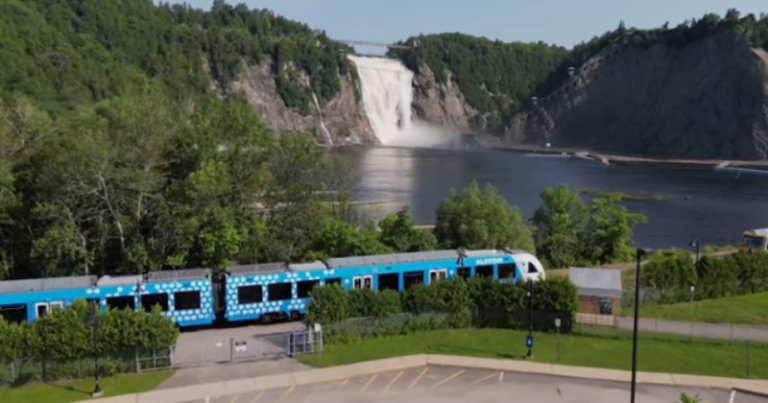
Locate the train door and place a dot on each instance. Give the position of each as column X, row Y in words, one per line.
column 218, row 289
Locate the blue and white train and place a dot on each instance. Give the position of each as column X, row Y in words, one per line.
column 266, row 292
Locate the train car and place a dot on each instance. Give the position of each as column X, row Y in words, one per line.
column 276, row 290
column 195, row 297
column 27, row 300
column 185, row 296
column 270, row 290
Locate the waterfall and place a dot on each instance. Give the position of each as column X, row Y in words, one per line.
column 326, row 133
column 387, row 92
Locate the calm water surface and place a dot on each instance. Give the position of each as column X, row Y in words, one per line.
column 719, row 208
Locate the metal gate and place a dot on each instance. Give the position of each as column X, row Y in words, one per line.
column 279, row 345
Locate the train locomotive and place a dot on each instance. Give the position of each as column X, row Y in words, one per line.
column 258, row 292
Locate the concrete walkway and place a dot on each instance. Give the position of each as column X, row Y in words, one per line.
column 214, row 391
column 693, row 329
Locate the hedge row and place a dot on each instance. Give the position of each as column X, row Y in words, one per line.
column 453, row 303
column 62, row 344
column 669, row 274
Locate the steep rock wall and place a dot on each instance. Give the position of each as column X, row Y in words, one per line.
column 343, row 116
column 440, row 104
column 708, row 100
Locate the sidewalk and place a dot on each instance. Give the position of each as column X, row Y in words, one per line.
column 694, row 329
column 192, row 393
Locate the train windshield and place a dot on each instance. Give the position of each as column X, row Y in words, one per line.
column 751, row 241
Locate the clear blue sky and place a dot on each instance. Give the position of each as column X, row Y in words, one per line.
column 564, row 22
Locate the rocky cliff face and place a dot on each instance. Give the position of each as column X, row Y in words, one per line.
column 343, row 116
column 440, row 104
column 708, row 100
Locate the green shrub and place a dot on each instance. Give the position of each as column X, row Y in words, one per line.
column 446, row 304
column 668, row 276
column 61, row 344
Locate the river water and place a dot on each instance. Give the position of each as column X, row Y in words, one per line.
column 713, row 206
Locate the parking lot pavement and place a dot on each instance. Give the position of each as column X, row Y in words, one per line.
column 448, row 384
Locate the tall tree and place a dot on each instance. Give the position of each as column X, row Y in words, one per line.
column 478, row 220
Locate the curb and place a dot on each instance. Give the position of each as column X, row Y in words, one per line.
column 240, row 386
column 752, row 392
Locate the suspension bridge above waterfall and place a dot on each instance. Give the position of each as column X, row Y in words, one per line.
column 376, row 44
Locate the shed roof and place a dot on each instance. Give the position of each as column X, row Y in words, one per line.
column 597, row 282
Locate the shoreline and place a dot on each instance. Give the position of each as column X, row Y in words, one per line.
column 625, row 160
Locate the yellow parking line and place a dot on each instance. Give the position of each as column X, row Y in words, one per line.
column 485, row 378
column 257, row 397
column 389, row 385
column 367, row 384
column 450, row 377
column 287, row 392
column 418, row 378
column 343, row 384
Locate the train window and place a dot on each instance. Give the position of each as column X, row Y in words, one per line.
column 183, row 300
column 368, row 282
column 250, row 294
column 442, row 274
column 464, row 272
column 303, row 288
column 389, row 281
column 484, row 271
column 148, row 301
column 506, row 271
column 42, row 309
column 56, row 305
column 14, row 313
column 531, row 268
column 279, row 292
column 330, row 281
column 357, row 282
column 432, row 276
column 126, row 302
column 411, row 278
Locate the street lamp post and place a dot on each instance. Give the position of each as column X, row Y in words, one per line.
column 695, row 243
column 93, row 317
column 638, row 258
column 529, row 341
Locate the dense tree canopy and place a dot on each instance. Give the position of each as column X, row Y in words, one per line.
column 498, row 78
column 570, row 232
column 66, row 53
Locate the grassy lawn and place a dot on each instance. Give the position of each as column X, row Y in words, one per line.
column 745, row 309
column 654, row 355
column 75, row 391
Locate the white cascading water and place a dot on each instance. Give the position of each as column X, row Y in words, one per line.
column 326, row 133
column 387, row 96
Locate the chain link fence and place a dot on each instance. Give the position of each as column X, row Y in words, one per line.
column 43, row 369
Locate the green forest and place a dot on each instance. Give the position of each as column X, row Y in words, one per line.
column 498, row 78
column 65, row 54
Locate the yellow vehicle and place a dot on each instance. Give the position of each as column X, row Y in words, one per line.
column 754, row 239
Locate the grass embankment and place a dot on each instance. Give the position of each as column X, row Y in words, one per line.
column 624, row 195
column 674, row 355
column 74, row 391
column 744, row 310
